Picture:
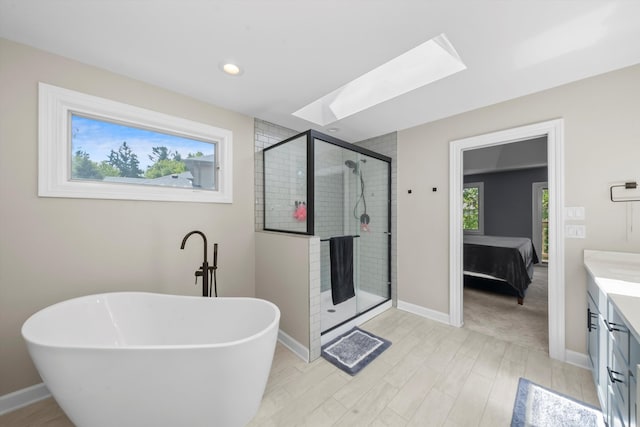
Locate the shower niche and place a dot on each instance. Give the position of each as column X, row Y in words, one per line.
column 318, row 185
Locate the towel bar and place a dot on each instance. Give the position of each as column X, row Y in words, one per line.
column 326, row 240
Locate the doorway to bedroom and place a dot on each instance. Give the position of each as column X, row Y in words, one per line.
column 504, row 141
column 504, row 280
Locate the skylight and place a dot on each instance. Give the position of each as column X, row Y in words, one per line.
column 433, row 60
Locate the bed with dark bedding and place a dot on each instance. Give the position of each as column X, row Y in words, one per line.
column 507, row 259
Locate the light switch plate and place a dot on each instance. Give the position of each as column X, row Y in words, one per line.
column 575, row 231
column 574, row 213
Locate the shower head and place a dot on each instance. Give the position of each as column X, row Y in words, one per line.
column 352, row 165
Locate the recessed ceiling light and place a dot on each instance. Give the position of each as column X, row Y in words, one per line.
column 433, row 60
column 231, row 69
column 333, row 130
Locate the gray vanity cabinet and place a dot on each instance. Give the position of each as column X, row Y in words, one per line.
column 597, row 337
column 618, row 372
column 613, row 289
column 593, row 326
column 614, row 354
column 633, row 381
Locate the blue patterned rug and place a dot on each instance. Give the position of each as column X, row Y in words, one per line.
column 540, row 407
column 354, row 350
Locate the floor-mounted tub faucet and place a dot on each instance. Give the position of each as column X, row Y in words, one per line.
column 204, row 270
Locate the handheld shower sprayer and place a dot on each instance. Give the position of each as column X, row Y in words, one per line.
column 364, row 218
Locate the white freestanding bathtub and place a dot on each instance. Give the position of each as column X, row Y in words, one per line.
column 144, row 359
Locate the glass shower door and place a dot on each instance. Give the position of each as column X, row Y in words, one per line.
column 352, row 199
column 368, row 213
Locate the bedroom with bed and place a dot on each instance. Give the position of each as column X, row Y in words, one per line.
column 504, row 245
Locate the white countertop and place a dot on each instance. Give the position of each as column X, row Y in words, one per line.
column 617, row 274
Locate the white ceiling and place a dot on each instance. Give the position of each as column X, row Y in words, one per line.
column 296, row 51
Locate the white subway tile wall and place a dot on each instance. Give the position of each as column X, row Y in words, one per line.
column 329, row 201
column 286, row 186
column 266, row 135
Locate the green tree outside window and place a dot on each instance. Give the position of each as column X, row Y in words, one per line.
column 471, row 208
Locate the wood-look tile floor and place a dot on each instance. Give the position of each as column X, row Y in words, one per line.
column 432, row 375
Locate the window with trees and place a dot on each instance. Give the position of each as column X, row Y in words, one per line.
column 473, row 208
column 545, row 225
column 96, row 148
column 101, row 152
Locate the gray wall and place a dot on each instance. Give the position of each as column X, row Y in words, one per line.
column 601, row 129
column 53, row 249
column 508, row 200
column 286, row 283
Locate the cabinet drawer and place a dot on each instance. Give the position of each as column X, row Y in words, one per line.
column 618, row 412
column 596, row 295
column 619, row 339
column 618, row 332
column 618, row 372
column 633, row 403
column 634, row 353
column 593, row 295
column 616, row 417
column 634, row 370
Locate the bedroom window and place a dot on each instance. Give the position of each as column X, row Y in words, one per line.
column 473, row 208
column 92, row 147
column 545, row 225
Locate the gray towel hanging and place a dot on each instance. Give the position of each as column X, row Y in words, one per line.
column 341, row 257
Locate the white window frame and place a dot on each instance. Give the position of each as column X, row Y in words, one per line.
column 54, row 149
column 480, row 186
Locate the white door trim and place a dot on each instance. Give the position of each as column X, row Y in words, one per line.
column 554, row 131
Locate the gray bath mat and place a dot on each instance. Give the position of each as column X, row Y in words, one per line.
column 354, row 350
column 538, row 406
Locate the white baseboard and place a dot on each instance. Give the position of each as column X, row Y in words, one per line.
column 577, row 359
column 298, row 349
column 424, row 312
column 26, row 396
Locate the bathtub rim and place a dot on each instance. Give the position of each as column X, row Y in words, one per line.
column 264, row 331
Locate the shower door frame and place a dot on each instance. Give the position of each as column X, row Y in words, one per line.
column 311, row 136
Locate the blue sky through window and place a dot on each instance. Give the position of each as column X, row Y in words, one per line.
column 98, row 138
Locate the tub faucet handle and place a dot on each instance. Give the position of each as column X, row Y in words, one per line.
column 197, row 274
column 203, row 271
